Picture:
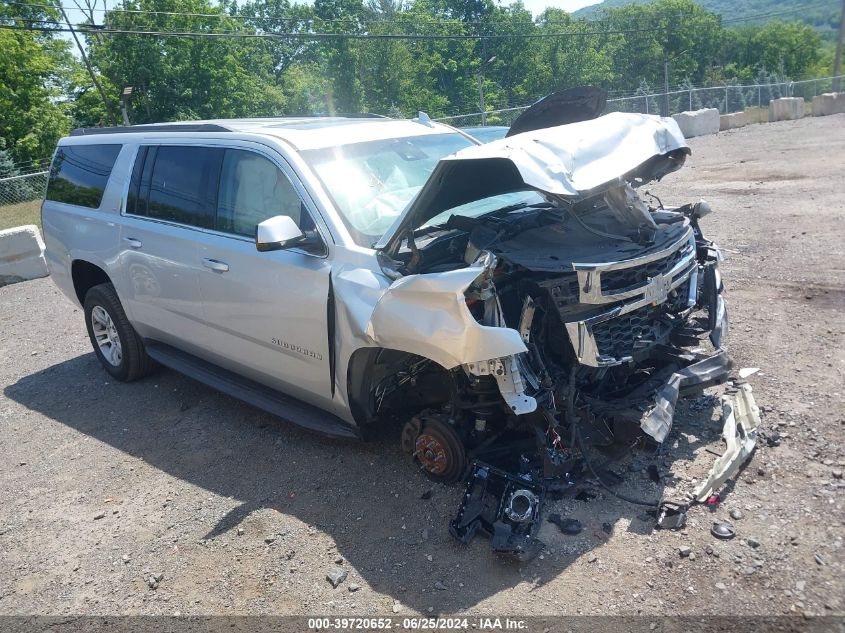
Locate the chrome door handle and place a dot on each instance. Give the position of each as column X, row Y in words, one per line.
column 133, row 242
column 213, row 264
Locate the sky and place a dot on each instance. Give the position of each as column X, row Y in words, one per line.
column 537, row 6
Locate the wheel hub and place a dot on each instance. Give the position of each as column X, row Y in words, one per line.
column 106, row 336
column 431, row 454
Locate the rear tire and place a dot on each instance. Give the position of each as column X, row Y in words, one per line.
column 116, row 344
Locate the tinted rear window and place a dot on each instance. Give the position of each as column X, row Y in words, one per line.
column 79, row 174
column 183, row 185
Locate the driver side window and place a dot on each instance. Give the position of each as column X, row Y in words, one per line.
column 253, row 189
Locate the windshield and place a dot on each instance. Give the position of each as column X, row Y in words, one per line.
column 487, row 134
column 506, row 201
column 371, row 183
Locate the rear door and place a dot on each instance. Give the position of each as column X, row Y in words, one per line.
column 266, row 312
column 171, row 200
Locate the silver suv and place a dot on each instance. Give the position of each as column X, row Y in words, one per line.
column 356, row 274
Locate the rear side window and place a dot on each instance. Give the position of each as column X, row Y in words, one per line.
column 79, row 174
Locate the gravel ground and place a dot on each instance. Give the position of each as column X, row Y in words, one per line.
column 232, row 511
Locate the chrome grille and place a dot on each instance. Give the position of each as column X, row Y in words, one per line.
column 637, row 293
column 621, row 337
column 642, row 277
column 614, row 281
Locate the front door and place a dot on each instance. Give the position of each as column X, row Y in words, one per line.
column 266, row 312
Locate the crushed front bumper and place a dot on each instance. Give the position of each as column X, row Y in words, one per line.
column 741, row 417
column 657, row 421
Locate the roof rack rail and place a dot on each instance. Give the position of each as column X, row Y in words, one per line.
column 344, row 115
column 156, row 127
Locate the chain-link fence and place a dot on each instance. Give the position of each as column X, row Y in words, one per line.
column 19, row 188
column 731, row 97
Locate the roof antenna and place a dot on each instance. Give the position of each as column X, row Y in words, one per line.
column 423, row 118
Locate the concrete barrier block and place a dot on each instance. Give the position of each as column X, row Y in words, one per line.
column 829, row 103
column 786, row 109
column 733, row 121
column 757, row 115
column 698, row 123
column 21, row 255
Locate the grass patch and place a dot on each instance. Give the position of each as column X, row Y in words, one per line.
column 12, row 215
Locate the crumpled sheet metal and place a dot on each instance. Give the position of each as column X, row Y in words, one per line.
column 567, row 160
column 741, row 421
column 570, row 159
column 658, row 421
column 427, row 315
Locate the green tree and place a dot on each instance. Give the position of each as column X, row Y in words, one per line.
column 567, row 57
column 342, row 55
column 790, row 48
column 183, row 78
column 33, row 69
column 679, row 31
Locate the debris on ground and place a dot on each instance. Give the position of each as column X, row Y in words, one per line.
column 722, row 530
column 336, row 575
column 504, row 507
column 671, row 516
column 567, row 526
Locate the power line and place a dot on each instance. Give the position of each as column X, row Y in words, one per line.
column 52, row 26
column 104, row 30
column 417, row 20
column 404, row 18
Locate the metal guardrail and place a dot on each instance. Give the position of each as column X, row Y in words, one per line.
column 726, row 98
column 22, row 187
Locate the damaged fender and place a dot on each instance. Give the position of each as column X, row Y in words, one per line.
column 427, row 315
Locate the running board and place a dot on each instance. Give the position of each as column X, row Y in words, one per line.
column 251, row 392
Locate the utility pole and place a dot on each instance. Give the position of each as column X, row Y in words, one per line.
column 109, row 112
column 481, row 105
column 837, row 60
column 666, row 60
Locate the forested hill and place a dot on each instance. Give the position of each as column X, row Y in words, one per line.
column 823, row 14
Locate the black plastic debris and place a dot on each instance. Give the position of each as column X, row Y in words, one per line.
column 653, row 473
column 671, row 516
column 773, row 438
column 722, row 530
column 570, row 527
column 503, row 507
column 607, row 528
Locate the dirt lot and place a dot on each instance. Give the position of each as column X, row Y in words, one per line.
column 243, row 514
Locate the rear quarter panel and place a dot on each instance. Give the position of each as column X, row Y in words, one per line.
column 73, row 232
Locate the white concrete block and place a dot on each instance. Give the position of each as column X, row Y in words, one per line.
column 829, row 103
column 786, row 109
column 733, row 120
column 699, row 122
column 21, row 255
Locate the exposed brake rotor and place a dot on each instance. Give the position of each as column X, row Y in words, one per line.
column 435, row 447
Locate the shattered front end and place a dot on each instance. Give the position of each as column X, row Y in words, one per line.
column 554, row 297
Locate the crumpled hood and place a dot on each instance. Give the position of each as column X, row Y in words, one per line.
column 568, row 160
